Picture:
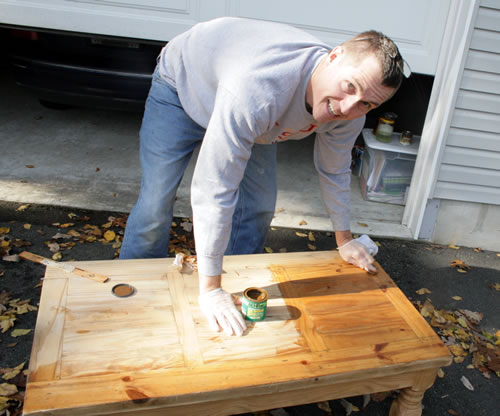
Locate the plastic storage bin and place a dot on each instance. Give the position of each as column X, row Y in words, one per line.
column 387, row 168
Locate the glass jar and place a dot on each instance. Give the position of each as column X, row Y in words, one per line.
column 406, row 137
column 385, row 127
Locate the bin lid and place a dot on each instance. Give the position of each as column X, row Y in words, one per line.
column 393, row 146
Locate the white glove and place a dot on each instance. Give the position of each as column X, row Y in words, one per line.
column 359, row 252
column 219, row 309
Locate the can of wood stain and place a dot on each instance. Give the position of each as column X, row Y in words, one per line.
column 254, row 303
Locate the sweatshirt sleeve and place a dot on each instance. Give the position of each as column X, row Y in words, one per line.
column 223, row 157
column 332, row 158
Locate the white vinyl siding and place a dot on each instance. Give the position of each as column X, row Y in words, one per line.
column 470, row 166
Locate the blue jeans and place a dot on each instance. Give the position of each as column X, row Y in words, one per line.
column 168, row 138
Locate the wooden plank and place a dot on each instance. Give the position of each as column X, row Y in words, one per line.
column 48, row 340
column 183, row 303
column 273, row 400
column 67, row 267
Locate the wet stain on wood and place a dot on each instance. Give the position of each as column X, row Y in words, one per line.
column 137, row 396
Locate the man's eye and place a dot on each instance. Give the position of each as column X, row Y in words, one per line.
column 351, row 87
column 366, row 105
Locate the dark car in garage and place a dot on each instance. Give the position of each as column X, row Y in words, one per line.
column 65, row 69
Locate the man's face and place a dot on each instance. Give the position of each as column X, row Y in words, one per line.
column 343, row 89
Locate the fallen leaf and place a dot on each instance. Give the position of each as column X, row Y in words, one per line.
column 427, row 310
column 465, row 381
column 73, row 233
column 4, row 230
column 6, row 322
column 268, row 249
column 423, row 291
column 7, row 389
column 478, row 249
column 456, row 298
column 19, row 332
column 457, row 350
column 299, row 234
column 311, row 246
column 53, row 247
column 473, row 316
column 452, row 412
column 29, row 166
column 325, row 406
column 362, row 224
column 454, row 247
column 66, row 225
column 12, row 258
column 349, row 407
column 57, row 256
column 311, row 236
column 10, row 373
column 440, row 373
column 109, row 235
column 366, row 400
column 27, row 226
column 23, row 207
column 303, row 222
column 494, row 286
column 460, row 265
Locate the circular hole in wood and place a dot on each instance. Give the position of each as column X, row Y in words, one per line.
column 123, row 290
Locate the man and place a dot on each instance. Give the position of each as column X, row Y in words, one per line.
column 238, row 87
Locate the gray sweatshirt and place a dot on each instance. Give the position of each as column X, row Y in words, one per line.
column 245, row 82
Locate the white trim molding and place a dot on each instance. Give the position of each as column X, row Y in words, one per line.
column 454, row 48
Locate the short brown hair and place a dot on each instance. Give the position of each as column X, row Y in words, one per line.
column 384, row 50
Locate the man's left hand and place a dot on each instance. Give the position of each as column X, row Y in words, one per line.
column 360, row 252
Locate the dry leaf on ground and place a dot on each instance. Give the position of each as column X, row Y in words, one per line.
column 460, row 265
column 465, row 381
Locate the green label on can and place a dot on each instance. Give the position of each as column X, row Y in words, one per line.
column 253, row 308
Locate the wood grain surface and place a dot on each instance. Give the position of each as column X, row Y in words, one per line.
column 328, row 324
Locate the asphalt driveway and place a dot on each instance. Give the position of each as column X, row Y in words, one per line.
column 459, row 284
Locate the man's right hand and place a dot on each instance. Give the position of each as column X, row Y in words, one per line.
column 218, row 307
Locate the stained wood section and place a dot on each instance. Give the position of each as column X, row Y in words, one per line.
column 328, row 324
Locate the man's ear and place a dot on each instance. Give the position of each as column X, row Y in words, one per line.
column 335, row 53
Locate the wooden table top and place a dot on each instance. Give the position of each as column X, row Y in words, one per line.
column 327, row 322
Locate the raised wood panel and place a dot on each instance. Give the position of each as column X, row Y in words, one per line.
column 472, row 157
column 481, row 82
column 469, row 175
column 483, row 61
column 473, row 193
column 473, row 139
column 485, row 40
column 478, row 101
column 475, row 120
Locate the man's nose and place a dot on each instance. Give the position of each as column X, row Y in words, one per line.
column 349, row 104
